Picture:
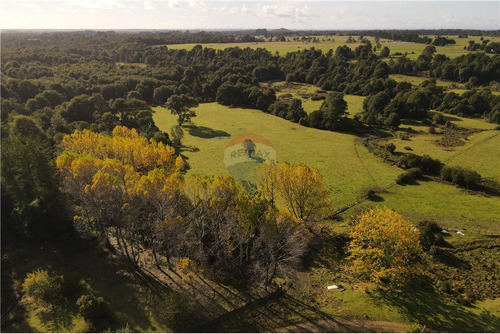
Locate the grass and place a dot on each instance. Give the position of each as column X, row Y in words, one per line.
column 348, row 169
column 480, row 152
column 301, row 91
column 86, row 260
column 281, row 47
column 354, row 104
column 450, row 206
column 414, row 80
column 413, row 49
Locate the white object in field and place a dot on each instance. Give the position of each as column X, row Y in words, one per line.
column 460, row 232
column 444, row 231
column 338, row 287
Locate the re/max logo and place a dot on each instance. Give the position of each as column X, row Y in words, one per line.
column 259, row 153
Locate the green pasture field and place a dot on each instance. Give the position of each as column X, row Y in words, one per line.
column 281, row 47
column 480, row 152
column 413, row 49
column 418, row 80
column 348, row 168
column 451, row 207
column 300, row 91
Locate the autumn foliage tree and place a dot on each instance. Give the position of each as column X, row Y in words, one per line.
column 104, row 174
column 384, row 247
column 298, row 189
column 129, row 193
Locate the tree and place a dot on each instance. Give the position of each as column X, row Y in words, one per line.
column 384, row 247
column 298, row 188
column 429, row 51
column 32, row 201
column 109, row 177
column 96, row 311
column 393, row 120
column 385, row 52
column 333, row 109
column 27, row 90
column 181, row 105
column 161, row 94
column 46, row 288
column 80, row 108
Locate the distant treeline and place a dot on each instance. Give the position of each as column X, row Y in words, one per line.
column 154, row 37
column 79, row 84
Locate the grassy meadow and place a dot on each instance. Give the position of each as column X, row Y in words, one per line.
column 480, row 150
column 303, row 92
column 281, row 47
column 347, row 167
column 413, row 49
column 418, row 80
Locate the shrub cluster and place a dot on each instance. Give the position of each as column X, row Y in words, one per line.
column 463, row 177
column 409, row 176
column 430, row 234
column 426, row 164
column 96, row 311
column 60, row 291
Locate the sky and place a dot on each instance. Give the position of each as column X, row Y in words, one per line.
column 247, row 14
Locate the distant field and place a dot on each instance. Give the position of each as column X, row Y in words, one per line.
column 299, row 90
column 281, row 47
column 480, row 152
column 413, row 49
column 348, row 170
column 418, row 80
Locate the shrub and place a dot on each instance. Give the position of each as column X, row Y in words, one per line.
column 446, row 173
column 432, row 130
column 430, row 234
column 471, row 179
column 438, row 119
column 462, row 177
column 409, row 176
column 44, row 287
column 426, row 164
column 96, row 311
column 393, row 120
column 370, row 193
column 410, row 160
column 403, row 136
column 390, row 147
column 172, row 311
column 430, row 166
column 414, row 328
column 426, row 121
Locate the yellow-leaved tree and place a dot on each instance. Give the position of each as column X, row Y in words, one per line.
column 299, row 189
column 384, row 247
column 124, row 184
column 126, row 146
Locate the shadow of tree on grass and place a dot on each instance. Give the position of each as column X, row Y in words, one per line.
column 428, row 308
column 205, row 132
